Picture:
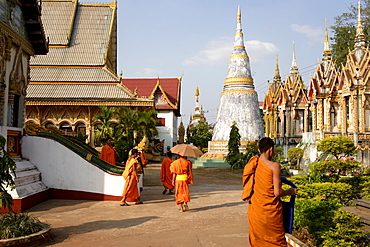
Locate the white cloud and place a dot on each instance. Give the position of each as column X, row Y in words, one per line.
column 215, row 51
column 259, row 51
column 219, row 51
column 149, row 72
column 314, row 35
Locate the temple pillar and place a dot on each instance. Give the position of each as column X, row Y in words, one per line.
column 314, row 119
column 355, row 113
column 320, row 117
column 362, row 111
column 305, row 119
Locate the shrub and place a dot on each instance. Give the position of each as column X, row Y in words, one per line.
column 314, row 217
column 13, row 225
column 338, row 192
column 337, row 146
column 7, row 172
column 345, row 232
column 336, row 167
column 294, row 156
column 360, row 186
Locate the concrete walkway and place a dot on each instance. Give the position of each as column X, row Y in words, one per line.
column 217, row 217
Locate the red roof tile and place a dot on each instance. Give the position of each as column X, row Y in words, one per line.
column 145, row 87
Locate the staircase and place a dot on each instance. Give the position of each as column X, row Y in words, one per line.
column 29, row 189
column 362, row 209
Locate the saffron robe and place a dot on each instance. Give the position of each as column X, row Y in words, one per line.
column 265, row 211
column 131, row 190
column 108, row 154
column 182, row 167
column 166, row 174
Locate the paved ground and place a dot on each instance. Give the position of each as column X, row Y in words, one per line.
column 217, row 216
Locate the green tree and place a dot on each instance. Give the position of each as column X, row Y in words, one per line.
column 339, row 147
column 105, row 119
column 147, row 123
column 132, row 127
column 7, row 168
column 345, row 31
column 295, row 155
column 200, row 135
column 234, row 157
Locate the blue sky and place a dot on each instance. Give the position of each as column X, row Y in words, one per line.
column 168, row 38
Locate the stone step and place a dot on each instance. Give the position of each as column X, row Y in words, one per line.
column 362, row 209
column 363, row 205
column 27, row 177
column 27, row 180
column 26, row 190
column 24, row 165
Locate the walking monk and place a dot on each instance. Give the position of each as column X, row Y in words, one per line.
column 262, row 188
column 166, row 174
column 131, row 190
column 181, row 178
column 109, row 153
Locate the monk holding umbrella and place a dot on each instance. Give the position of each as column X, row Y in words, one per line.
column 182, row 173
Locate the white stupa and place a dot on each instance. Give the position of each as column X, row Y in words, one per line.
column 239, row 102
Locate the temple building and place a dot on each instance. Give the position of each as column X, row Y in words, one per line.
column 324, row 94
column 239, row 103
column 80, row 72
column 21, row 37
column 198, row 115
column 286, row 107
column 340, row 103
column 166, row 95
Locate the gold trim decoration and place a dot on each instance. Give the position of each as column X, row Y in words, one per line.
column 238, row 46
column 88, row 157
column 239, row 80
column 238, row 56
column 240, row 91
column 87, row 103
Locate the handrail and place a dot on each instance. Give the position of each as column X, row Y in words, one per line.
column 83, row 152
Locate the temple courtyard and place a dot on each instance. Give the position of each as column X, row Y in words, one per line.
column 217, row 216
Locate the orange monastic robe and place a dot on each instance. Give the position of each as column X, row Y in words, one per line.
column 166, row 174
column 108, row 154
column 265, row 211
column 182, row 167
column 131, row 190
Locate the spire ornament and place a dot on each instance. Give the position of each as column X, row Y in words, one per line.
column 239, row 101
column 360, row 41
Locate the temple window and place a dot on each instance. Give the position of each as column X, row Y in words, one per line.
column 67, row 128
column 161, row 122
column 81, row 128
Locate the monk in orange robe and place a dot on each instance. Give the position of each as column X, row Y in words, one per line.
column 262, row 184
column 181, row 178
column 131, row 190
column 166, row 174
column 109, row 153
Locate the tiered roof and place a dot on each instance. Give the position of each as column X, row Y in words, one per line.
column 149, row 88
column 81, row 63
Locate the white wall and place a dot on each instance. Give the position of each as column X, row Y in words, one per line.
column 62, row 169
column 168, row 132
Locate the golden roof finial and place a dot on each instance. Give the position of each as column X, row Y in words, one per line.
column 360, row 40
column 196, row 94
column 326, row 42
column 239, row 15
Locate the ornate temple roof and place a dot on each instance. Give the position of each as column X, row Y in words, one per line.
column 82, row 91
column 79, row 33
column 168, row 87
column 71, row 74
column 356, row 71
column 81, row 63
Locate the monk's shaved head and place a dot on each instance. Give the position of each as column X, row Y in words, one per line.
column 265, row 144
